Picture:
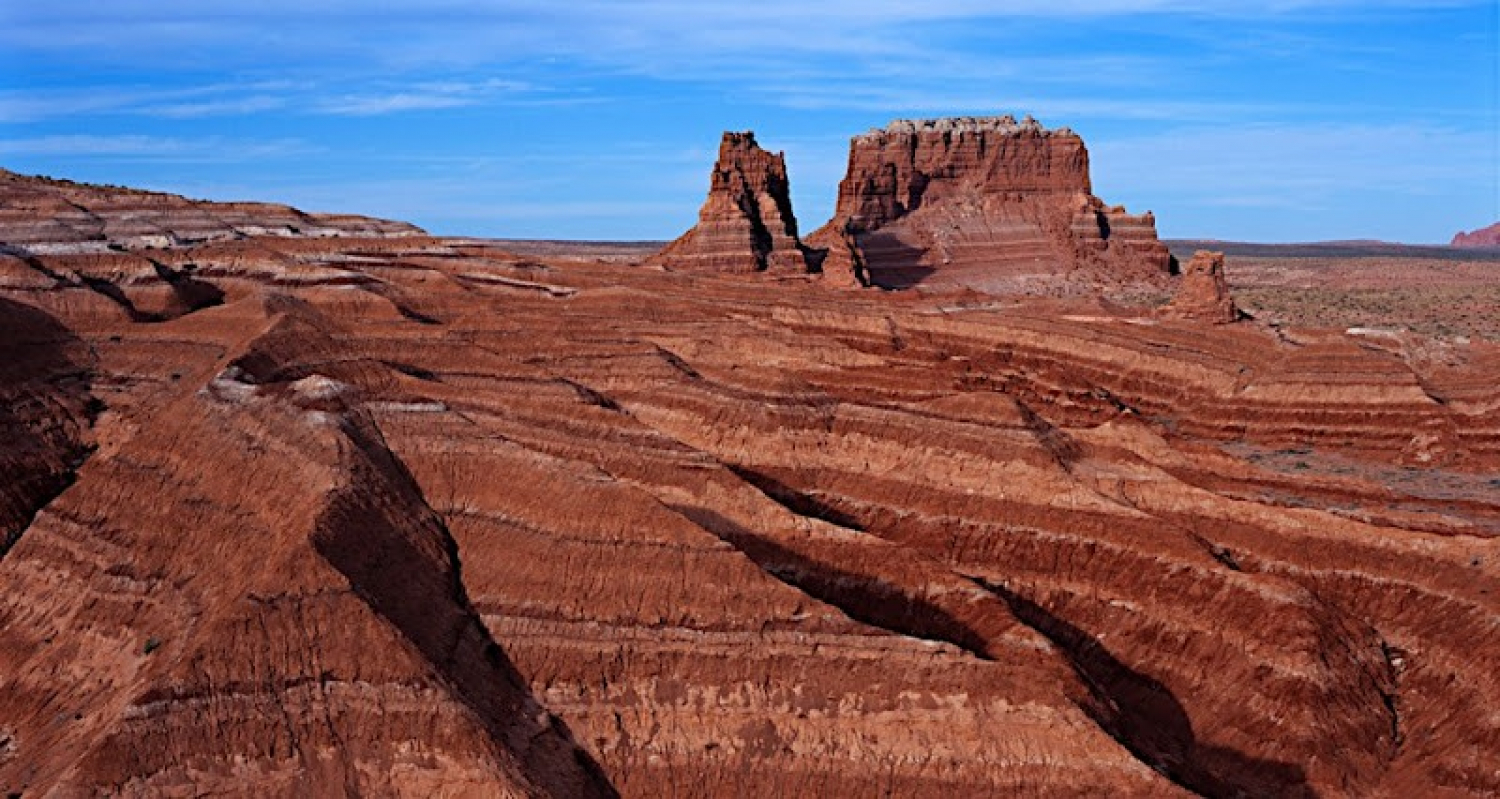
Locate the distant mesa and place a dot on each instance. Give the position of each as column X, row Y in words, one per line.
column 1203, row 293
column 988, row 203
column 1484, row 238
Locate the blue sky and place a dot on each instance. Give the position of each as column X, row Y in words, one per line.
column 1291, row 120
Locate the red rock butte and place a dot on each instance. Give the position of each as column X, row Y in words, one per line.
column 989, row 203
column 1203, row 292
column 304, row 505
column 746, row 224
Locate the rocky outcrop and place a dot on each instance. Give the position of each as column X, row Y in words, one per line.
column 1203, row 292
column 46, row 216
column 1483, row 238
column 421, row 517
column 989, row 203
column 746, row 224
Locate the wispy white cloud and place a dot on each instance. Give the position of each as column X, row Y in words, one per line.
column 426, row 95
column 1056, row 109
column 228, row 106
column 628, row 34
column 372, row 105
column 231, row 99
column 211, row 149
column 210, row 99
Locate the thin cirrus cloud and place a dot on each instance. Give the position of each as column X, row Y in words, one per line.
column 422, row 96
column 211, row 149
column 633, row 34
column 214, row 100
column 211, row 99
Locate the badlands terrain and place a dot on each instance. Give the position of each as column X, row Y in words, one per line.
column 307, row 505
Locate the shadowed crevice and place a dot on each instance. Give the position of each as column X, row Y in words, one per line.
column 1149, row 721
column 401, row 560
column 192, row 293
column 890, row 262
column 46, row 408
column 863, row 597
column 798, row 502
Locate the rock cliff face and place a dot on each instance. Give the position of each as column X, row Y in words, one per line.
column 415, row 516
column 746, row 224
column 989, row 203
column 1484, row 238
column 1203, row 292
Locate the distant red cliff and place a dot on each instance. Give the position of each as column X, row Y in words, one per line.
column 1482, row 238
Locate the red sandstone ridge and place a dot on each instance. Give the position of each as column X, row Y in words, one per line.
column 988, row 203
column 1203, row 293
column 1482, row 238
column 746, row 224
column 59, row 216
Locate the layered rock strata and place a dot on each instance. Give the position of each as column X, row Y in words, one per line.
column 989, row 203
column 62, row 217
column 414, row 516
column 746, row 223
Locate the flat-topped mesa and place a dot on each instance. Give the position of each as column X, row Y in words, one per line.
column 746, row 224
column 895, row 170
column 1203, row 293
column 986, row 202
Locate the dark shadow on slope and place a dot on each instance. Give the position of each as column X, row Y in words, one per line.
column 189, row 294
column 192, row 293
column 760, row 237
column 1148, row 720
column 45, row 408
column 1061, row 446
column 798, row 502
column 862, row 597
column 593, row 397
column 401, row 560
column 1139, row 712
column 890, row 262
column 402, row 302
column 426, row 375
column 115, row 294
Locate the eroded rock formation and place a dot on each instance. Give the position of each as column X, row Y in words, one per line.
column 1203, row 292
column 1483, row 238
column 746, row 224
column 415, row 516
column 989, row 203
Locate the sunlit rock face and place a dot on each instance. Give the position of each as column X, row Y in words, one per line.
column 1203, row 291
column 989, row 203
column 746, row 223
